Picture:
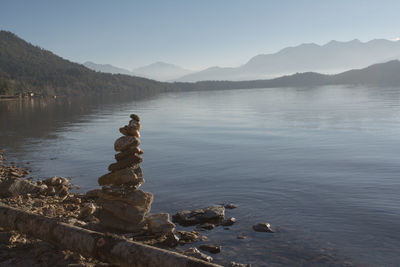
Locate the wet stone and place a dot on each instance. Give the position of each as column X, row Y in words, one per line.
column 211, row 248
column 263, row 227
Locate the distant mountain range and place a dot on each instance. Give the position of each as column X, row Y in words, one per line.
column 159, row 71
column 332, row 57
column 25, row 67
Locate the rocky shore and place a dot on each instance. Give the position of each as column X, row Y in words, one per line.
column 119, row 207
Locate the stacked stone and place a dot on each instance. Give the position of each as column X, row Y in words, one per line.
column 124, row 206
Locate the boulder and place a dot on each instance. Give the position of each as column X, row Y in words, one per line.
column 124, row 142
column 124, row 176
column 187, row 237
column 125, row 211
column 160, row 223
column 109, row 221
column 212, row 214
column 17, row 186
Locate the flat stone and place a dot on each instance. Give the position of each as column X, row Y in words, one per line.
column 212, row 214
column 108, row 220
column 132, row 196
column 129, row 161
column 263, row 227
column 160, row 223
column 130, row 131
column 124, row 176
column 211, row 248
column 124, row 142
column 17, row 186
column 129, row 151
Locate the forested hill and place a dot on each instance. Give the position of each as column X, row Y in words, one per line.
column 24, row 67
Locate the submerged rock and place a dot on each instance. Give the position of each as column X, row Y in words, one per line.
column 211, row 248
column 212, row 214
column 263, row 227
column 187, row 237
column 235, row 264
column 228, row 222
column 194, row 252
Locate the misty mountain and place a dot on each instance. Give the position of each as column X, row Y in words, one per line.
column 332, row 57
column 25, row 67
column 107, row 68
column 161, row 71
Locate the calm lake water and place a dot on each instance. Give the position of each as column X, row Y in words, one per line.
column 322, row 165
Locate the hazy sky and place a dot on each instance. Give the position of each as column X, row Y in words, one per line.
column 192, row 34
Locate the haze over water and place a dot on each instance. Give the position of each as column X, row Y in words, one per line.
column 320, row 164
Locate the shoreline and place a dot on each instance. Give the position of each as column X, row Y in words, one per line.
column 52, row 198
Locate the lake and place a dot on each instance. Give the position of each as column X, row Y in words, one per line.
column 321, row 165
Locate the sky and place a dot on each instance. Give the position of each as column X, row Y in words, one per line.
column 192, row 34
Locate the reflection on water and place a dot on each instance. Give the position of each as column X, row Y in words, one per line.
column 320, row 164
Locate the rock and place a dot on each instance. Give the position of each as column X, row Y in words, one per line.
column 17, row 186
column 171, row 240
column 135, row 117
column 205, row 226
column 124, row 142
column 129, row 151
column 124, row 176
column 130, row 131
column 56, row 181
column 93, row 193
column 241, row 236
column 131, row 196
column 126, row 211
column 129, row 161
column 235, row 264
column 230, row 206
column 211, row 248
column 212, row 214
column 228, row 222
column 109, row 221
column 87, row 209
column 194, row 252
column 187, row 237
column 263, row 227
column 160, row 223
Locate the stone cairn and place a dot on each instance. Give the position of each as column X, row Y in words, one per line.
column 125, row 208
